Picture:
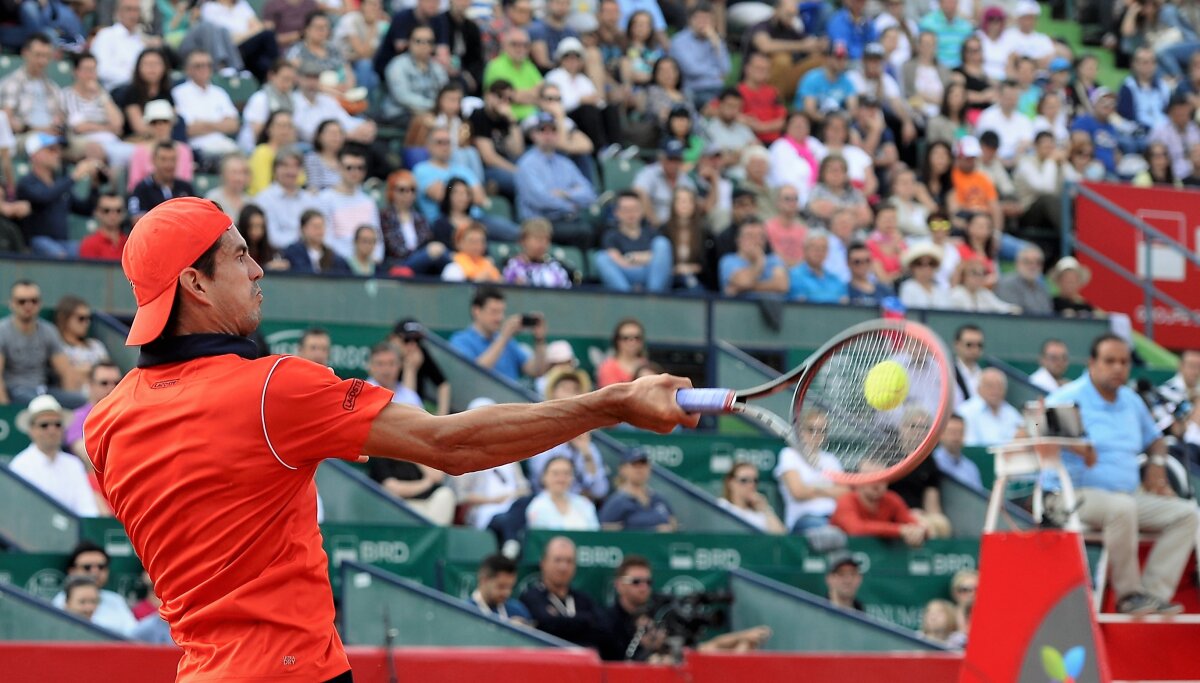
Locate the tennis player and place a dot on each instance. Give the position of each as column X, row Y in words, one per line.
column 207, row 453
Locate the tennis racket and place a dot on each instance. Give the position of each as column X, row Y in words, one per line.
column 869, row 405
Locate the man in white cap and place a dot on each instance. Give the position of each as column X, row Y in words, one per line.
column 205, row 435
column 1024, row 39
column 45, row 465
column 51, row 196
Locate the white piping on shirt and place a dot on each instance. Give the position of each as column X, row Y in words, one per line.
column 262, row 413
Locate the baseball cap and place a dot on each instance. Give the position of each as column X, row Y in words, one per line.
column 993, row 14
column 968, row 147
column 39, row 141
column 560, row 351
column 839, row 560
column 1027, row 8
column 873, row 50
column 568, row 46
column 634, row 455
column 158, row 110
column 1060, row 64
column 169, row 238
column 1100, row 93
column 673, row 149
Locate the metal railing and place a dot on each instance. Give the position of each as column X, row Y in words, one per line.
column 1150, row 235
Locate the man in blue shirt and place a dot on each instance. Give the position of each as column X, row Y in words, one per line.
column 497, row 578
column 1107, row 141
column 809, row 279
column 750, row 269
column 550, row 186
column 1143, row 97
column 828, row 88
column 489, row 339
column 949, row 453
column 1110, row 490
column 702, row 56
column 851, row 27
column 634, row 507
column 435, row 173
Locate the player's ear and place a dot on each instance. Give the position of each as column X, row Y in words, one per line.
column 192, row 283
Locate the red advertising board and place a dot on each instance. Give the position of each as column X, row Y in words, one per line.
column 1176, row 213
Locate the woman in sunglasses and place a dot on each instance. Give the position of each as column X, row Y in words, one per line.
column 922, row 289
column 73, row 318
column 740, row 495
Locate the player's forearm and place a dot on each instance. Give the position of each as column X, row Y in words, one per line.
column 491, row 436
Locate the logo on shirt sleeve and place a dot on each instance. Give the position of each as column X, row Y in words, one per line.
column 356, row 388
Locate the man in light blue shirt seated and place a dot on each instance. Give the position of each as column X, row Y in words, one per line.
column 949, row 454
column 750, row 269
column 1110, row 488
column 810, row 281
column 990, row 420
column 829, row 88
column 702, row 56
column 489, row 339
column 951, row 31
column 550, row 186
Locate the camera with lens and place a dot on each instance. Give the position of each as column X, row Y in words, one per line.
column 685, row 618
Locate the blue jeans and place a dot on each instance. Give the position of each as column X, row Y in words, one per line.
column 422, row 263
column 500, row 228
column 1010, row 246
column 806, row 522
column 505, row 182
column 653, row 277
column 364, row 74
column 52, row 248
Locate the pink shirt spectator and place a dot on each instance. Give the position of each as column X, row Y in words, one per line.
column 611, row 372
column 140, row 164
column 883, row 255
column 786, row 240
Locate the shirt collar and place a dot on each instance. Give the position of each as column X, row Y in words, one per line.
column 190, row 347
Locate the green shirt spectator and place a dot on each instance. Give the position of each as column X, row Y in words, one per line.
column 514, row 65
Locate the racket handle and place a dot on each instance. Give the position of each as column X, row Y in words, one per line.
column 708, row 401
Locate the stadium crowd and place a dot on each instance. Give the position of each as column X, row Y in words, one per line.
column 866, row 151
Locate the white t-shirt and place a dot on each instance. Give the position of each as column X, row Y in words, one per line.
column 792, row 461
column 8, row 141
column 235, row 19
column 204, row 105
column 1013, row 130
column 1034, row 45
column 995, row 54
column 754, row 518
column 857, row 161
column 572, row 89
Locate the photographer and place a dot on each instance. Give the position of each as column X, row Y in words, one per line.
column 644, row 627
column 489, row 339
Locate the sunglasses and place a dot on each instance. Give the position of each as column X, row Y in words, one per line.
column 421, row 41
column 441, row 141
column 636, row 581
column 924, row 263
column 32, row 301
column 630, row 337
column 111, row 209
column 747, row 480
column 965, row 589
column 101, row 566
column 552, row 98
column 973, row 344
column 859, row 261
column 48, row 425
column 939, row 225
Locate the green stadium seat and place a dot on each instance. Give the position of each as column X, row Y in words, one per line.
column 62, row 73
column 9, row 64
column 500, row 252
column 79, row 227
column 501, row 208
column 573, row 257
column 240, row 89
column 203, row 182
column 619, row 173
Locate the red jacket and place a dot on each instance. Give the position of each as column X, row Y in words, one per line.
column 855, row 519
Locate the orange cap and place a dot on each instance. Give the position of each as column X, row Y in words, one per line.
column 169, row 238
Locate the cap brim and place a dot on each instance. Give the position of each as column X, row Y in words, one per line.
column 151, row 319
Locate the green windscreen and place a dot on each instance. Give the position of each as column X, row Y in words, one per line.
column 350, row 497
column 25, row 618
column 802, row 623
column 374, row 602
column 31, row 521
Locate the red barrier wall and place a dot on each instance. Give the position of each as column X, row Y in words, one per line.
column 107, row 663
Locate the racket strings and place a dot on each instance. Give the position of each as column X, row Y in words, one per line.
column 833, row 409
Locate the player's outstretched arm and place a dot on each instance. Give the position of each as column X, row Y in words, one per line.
column 494, row 435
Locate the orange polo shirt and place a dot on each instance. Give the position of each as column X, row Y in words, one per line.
column 209, row 464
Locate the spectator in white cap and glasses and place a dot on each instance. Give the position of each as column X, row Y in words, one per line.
column 45, row 465
column 52, row 198
column 581, row 98
column 159, row 117
column 559, row 357
column 1023, row 38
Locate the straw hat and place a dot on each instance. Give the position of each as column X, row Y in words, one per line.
column 41, row 405
column 1071, row 263
column 577, row 374
column 921, row 250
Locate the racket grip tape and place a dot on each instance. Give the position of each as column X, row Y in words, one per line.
column 708, row 401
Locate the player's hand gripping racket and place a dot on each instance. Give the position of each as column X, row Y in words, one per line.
column 874, row 398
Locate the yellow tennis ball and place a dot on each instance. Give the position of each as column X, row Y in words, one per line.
column 886, row 385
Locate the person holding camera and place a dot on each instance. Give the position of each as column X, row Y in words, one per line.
column 489, row 339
